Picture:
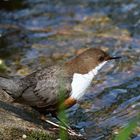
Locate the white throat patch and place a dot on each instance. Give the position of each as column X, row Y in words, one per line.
column 81, row 82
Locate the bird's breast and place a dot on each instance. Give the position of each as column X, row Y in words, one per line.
column 80, row 84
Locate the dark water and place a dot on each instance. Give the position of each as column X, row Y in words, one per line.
column 43, row 32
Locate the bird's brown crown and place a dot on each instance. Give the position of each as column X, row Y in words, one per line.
column 86, row 61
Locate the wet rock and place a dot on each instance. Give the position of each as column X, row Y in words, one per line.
column 17, row 121
column 20, row 122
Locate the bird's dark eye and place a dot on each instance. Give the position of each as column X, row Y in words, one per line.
column 101, row 58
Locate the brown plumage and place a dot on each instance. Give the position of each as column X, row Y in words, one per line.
column 86, row 61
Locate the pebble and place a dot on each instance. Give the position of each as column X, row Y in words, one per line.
column 24, row 136
column 1, row 62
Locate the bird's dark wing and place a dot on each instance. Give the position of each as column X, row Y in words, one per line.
column 44, row 87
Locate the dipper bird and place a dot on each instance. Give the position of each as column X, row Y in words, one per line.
column 41, row 89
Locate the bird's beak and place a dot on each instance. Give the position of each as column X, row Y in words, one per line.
column 115, row 57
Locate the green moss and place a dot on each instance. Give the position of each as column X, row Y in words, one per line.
column 11, row 134
column 17, row 134
column 40, row 135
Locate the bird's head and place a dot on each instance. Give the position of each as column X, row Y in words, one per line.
column 88, row 60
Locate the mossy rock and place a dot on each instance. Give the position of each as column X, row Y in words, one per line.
column 20, row 134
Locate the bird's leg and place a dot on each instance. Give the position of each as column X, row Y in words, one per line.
column 70, row 131
column 43, row 118
column 64, row 123
column 66, row 126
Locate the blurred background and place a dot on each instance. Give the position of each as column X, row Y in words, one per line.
column 38, row 33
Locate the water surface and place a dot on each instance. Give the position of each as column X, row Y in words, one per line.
column 41, row 33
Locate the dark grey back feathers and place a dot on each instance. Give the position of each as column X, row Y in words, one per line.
column 10, row 86
column 39, row 89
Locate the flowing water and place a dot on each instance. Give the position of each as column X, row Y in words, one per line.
column 43, row 32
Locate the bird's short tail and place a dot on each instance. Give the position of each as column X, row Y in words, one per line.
column 10, row 86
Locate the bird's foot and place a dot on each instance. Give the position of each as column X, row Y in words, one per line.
column 63, row 123
column 70, row 131
column 65, row 127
